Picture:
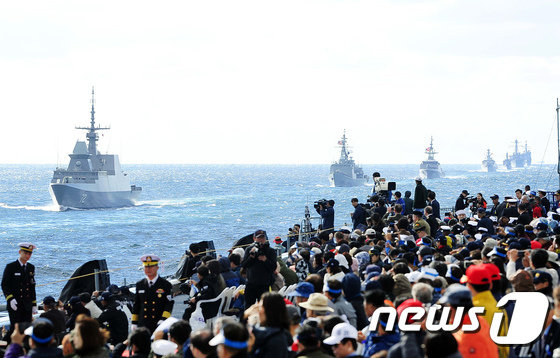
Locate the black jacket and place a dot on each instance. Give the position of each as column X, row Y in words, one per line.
column 19, row 284
column 114, row 319
column 259, row 272
column 58, row 319
column 271, row 342
column 511, row 212
column 420, row 196
column 498, row 210
column 152, row 304
column 461, row 203
column 488, row 224
column 525, row 218
column 359, row 217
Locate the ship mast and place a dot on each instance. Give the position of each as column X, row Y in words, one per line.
column 430, row 150
column 343, row 151
column 91, row 135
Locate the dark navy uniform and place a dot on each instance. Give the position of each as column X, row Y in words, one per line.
column 18, row 283
column 152, row 304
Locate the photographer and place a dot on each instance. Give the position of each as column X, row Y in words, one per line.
column 326, row 210
column 462, row 201
column 259, row 262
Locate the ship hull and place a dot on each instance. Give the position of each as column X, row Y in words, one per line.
column 489, row 168
column 431, row 173
column 67, row 196
column 343, row 180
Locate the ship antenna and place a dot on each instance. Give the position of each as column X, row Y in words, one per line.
column 92, row 107
column 92, row 136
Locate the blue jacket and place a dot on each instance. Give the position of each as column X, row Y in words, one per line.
column 377, row 343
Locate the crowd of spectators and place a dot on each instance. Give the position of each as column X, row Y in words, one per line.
column 411, row 256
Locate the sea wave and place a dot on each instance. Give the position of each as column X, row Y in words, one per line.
column 49, row 207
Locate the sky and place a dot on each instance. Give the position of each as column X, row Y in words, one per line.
column 277, row 82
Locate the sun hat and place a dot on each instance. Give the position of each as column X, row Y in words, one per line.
column 317, row 302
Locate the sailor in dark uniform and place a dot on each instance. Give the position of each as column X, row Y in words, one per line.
column 18, row 285
column 153, row 302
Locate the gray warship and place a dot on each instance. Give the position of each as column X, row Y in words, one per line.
column 488, row 163
column 430, row 168
column 346, row 172
column 92, row 180
column 521, row 159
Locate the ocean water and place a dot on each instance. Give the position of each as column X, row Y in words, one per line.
column 181, row 204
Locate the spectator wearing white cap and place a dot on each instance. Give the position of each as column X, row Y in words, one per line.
column 343, row 340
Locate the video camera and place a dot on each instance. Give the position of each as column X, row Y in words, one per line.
column 317, row 205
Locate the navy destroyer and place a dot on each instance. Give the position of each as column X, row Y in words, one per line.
column 430, row 168
column 92, row 180
column 346, row 172
column 488, row 163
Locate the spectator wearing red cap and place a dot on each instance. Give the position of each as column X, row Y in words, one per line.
column 410, row 344
column 479, row 282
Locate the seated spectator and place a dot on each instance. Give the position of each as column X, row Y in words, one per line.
column 232, row 341
column 86, row 340
column 56, row 316
column 273, row 336
column 42, row 341
column 309, row 342
column 138, row 344
column 200, row 345
column 344, row 341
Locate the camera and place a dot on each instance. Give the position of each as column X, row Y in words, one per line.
column 470, row 199
column 317, row 205
column 257, row 249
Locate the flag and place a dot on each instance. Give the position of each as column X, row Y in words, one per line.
column 339, row 142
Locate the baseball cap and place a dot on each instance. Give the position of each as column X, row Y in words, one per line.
column 494, row 271
column 477, row 275
column 220, row 338
column 406, row 304
column 42, row 330
column 260, row 233
column 457, row 295
column 304, row 289
column 341, row 331
column 49, row 300
column 277, row 240
column 370, row 232
column 465, row 192
column 541, row 277
column 495, row 196
column 163, row 347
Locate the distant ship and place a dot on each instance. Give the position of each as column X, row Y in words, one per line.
column 346, row 172
column 488, row 163
column 521, row 159
column 92, row 180
column 507, row 162
column 430, row 169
